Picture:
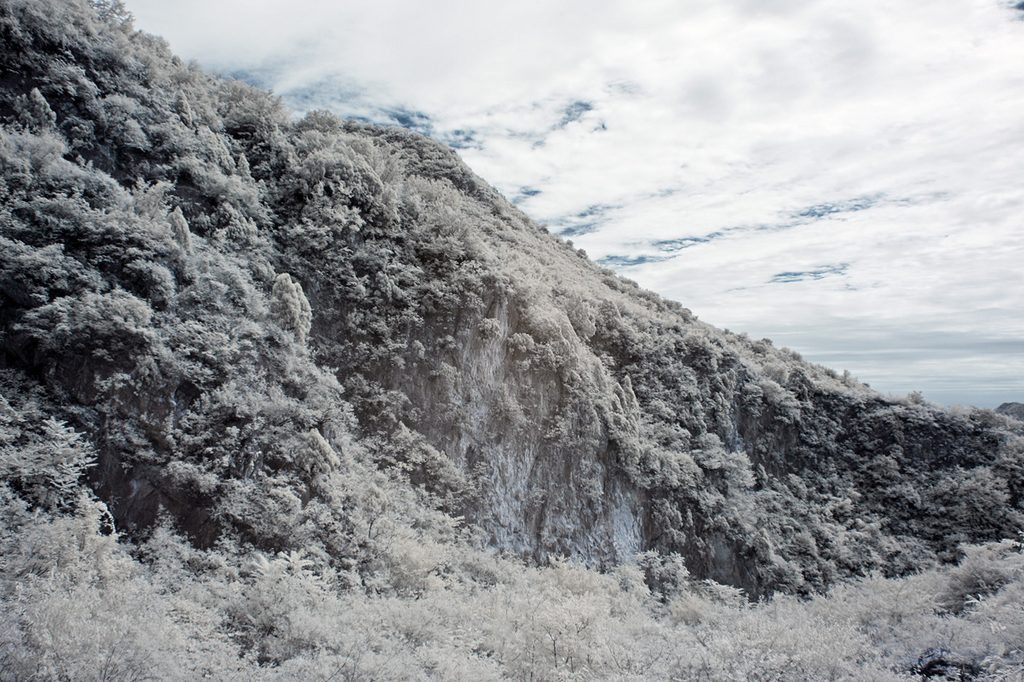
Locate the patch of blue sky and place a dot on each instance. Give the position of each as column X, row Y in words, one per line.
column 525, row 192
column 791, row 276
column 817, row 212
column 587, row 221
column 630, row 261
column 574, row 112
column 462, row 139
column 831, row 208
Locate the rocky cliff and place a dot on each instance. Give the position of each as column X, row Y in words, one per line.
column 283, row 330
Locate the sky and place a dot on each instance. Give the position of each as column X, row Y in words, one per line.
column 846, row 179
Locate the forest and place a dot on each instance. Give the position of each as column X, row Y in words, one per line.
column 294, row 397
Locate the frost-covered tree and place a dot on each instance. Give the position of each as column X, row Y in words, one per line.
column 290, row 307
column 35, row 111
column 46, row 460
column 180, row 230
column 113, row 12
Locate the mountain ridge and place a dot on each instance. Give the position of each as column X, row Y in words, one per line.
column 331, row 343
column 394, row 242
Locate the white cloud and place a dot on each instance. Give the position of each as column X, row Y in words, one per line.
column 719, row 117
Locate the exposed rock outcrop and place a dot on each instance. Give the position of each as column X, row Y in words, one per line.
column 427, row 326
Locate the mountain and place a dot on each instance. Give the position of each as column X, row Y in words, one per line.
column 254, row 364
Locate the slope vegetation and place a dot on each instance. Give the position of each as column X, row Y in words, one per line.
column 310, row 372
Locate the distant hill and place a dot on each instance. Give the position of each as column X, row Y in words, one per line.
column 1015, row 410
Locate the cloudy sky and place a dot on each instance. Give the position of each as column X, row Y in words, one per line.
column 845, row 178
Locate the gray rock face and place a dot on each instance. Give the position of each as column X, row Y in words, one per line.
column 539, row 452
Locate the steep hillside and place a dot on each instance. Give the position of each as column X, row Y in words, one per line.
column 306, row 399
column 218, row 297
